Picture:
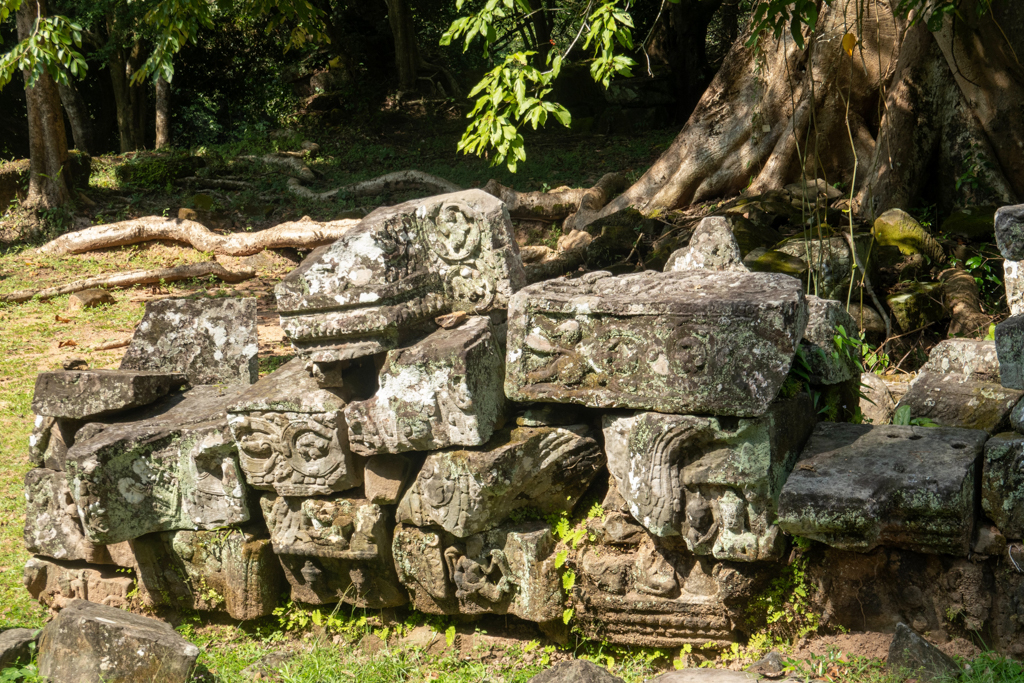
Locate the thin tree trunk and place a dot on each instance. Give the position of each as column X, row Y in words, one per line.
column 541, row 31
column 48, row 147
column 78, row 115
column 138, row 95
column 163, row 113
column 407, row 55
column 130, row 120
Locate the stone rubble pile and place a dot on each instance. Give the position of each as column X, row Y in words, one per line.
column 395, row 462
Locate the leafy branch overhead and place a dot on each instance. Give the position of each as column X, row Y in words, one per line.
column 50, row 48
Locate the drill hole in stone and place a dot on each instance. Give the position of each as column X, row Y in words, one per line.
column 915, row 437
column 959, row 446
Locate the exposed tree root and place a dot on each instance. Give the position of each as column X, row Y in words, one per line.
column 963, row 302
column 557, row 205
column 214, row 183
column 389, row 182
column 296, row 166
column 136, row 277
column 296, row 234
column 571, row 254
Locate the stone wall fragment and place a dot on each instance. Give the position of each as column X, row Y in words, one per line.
column 1009, row 230
column 827, row 363
column 446, row 390
column 334, row 549
column 52, row 525
column 81, row 394
column 712, row 247
column 692, row 342
column 714, row 482
column 856, row 487
column 972, row 358
column 387, row 279
column 56, row 584
column 953, row 400
column 385, row 477
column 507, row 570
column 1013, row 281
column 50, row 440
column 176, row 469
column 212, row 341
column 291, row 435
column 1009, row 340
column 469, row 491
column 1002, row 484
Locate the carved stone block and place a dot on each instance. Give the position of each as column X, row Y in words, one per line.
column 508, row 570
column 50, row 440
column 690, row 342
column 1002, row 484
column 52, row 526
column 446, row 390
column 212, row 341
column 955, row 400
column 81, row 394
column 393, row 273
column 176, row 469
column 712, row 246
column 55, row 584
column 385, row 477
column 1010, row 351
column 857, row 487
column 334, row 550
column 469, row 491
column 713, row 481
column 231, row 570
column 291, row 435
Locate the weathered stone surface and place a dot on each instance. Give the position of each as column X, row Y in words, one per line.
column 291, row 435
column 712, row 247
column 334, row 549
column 1010, row 351
column 52, row 526
column 212, row 341
column 175, row 469
column 923, row 660
column 87, row 643
column 575, row 671
column 508, row 570
column 50, row 439
column 705, row 676
column 79, row 394
column 867, row 318
column 952, row 400
column 16, row 646
column 828, row 363
column 827, row 260
column 988, row 540
column 972, row 358
column 446, row 390
column 469, row 491
column 90, row 298
column 716, row 485
column 55, row 584
column 1013, row 281
column 692, row 342
column 876, row 404
column 916, row 306
column 1010, row 232
column 856, row 487
column 1002, row 484
column 232, row 570
column 385, row 476
column 398, row 269
column 1017, row 417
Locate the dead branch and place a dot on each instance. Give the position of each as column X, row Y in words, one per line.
column 963, row 303
column 297, row 234
column 557, row 205
column 389, row 182
column 135, row 277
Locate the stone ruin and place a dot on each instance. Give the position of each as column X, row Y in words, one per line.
column 439, row 413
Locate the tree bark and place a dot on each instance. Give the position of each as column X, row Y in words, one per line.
column 129, row 100
column 78, row 116
column 163, row 113
column 407, row 55
column 48, row 147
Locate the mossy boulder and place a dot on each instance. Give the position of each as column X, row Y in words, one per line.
column 156, row 170
column 917, row 306
column 772, row 261
column 899, row 229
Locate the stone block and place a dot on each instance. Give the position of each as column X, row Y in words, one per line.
column 1009, row 228
column 712, row 247
column 446, row 390
column 56, row 584
column 385, row 477
column 469, row 491
column 1013, row 281
column 575, row 671
column 212, row 341
column 827, row 363
column 386, row 280
column 876, row 404
column 50, row 440
column 1002, row 484
column 175, row 469
column 917, row 306
column 1010, row 351
column 81, row 394
column 291, row 435
column 52, row 526
column 857, row 487
column 17, row 646
column 972, row 358
column 920, row 658
column 722, row 344
column 953, row 400
column 231, row 570
column 507, row 570
column 713, row 481
column 90, row 298
column 88, row 643
column 334, row 550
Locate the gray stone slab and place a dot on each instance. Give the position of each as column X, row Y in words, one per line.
column 954, row 400
column 56, row 584
column 1002, row 484
column 16, row 646
column 715, row 483
column 857, row 487
column 212, row 341
column 446, row 390
column 472, row 490
column 829, row 363
column 400, row 267
column 1010, row 350
column 712, row 247
column 693, row 342
column 876, row 404
column 1013, row 281
column 89, row 642
column 52, row 526
column 921, row 659
column 575, row 671
column 50, row 440
column 92, row 394
column 1009, row 229
column 974, row 359
column 175, row 469
column 507, row 570
column 385, row 477
column 291, row 435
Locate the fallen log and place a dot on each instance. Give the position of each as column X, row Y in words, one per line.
column 295, row 234
column 135, row 277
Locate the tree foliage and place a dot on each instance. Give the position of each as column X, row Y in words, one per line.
column 52, row 47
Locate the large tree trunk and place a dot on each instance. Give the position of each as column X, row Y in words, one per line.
column 130, row 100
column 407, row 55
column 78, row 116
column 163, row 113
column 48, row 147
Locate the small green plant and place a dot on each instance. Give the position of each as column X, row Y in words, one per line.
column 785, row 605
column 903, row 418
